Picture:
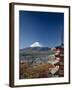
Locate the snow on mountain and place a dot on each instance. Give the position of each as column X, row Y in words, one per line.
column 36, row 44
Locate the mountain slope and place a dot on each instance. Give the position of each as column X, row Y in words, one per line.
column 35, row 49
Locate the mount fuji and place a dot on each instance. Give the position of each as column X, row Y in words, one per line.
column 36, row 47
column 36, row 44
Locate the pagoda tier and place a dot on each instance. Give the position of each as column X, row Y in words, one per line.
column 60, row 55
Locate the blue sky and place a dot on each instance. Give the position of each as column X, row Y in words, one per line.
column 43, row 27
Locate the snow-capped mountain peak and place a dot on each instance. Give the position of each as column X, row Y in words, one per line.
column 36, row 44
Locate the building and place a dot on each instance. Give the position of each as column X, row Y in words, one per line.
column 60, row 55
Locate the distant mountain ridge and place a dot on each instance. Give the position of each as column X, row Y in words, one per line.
column 35, row 49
